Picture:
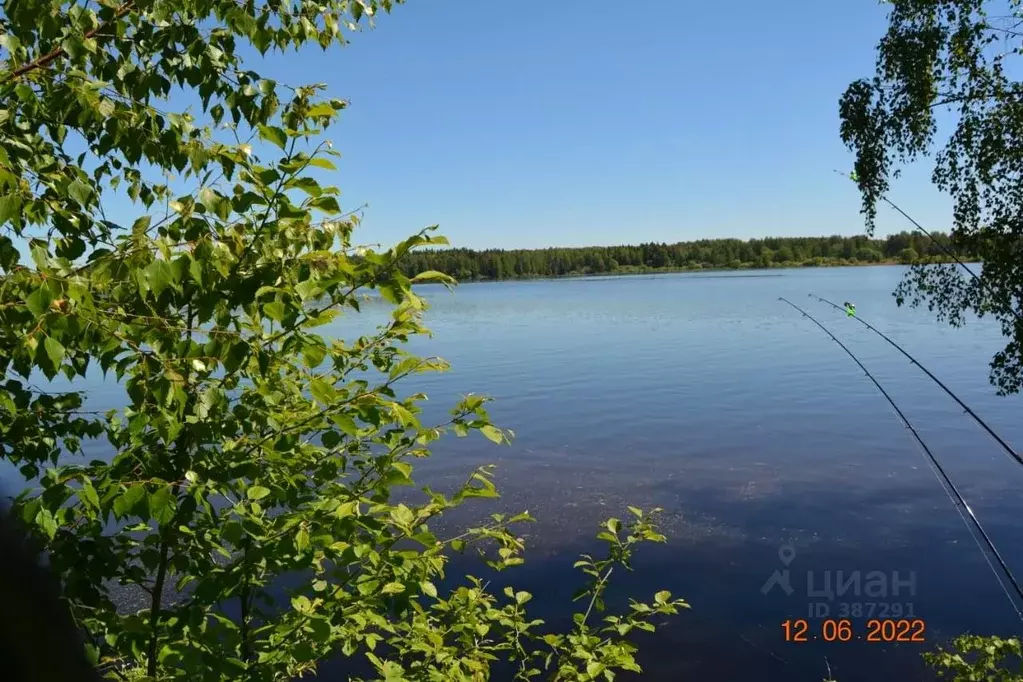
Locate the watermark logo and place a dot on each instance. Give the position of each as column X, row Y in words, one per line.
column 847, row 593
column 782, row 578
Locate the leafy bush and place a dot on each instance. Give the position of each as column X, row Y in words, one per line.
column 973, row 658
column 908, row 256
column 252, row 446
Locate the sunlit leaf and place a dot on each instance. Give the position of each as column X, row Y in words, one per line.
column 257, row 492
column 274, row 135
column 492, row 433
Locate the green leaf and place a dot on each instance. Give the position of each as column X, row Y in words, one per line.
column 215, row 203
column 320, row 162
column 45, row 521
column 54, row 351
column 432, row 276
column 131, row 501
column 403, row 516
column 159, row 275
column 345, row 423
column 257, row 492
column 322, row 108
column 141, row 225
column 38, row 302
column 301, row 539
column 88, row 495
column 307, row 185
column 405, row 468
column 162, row 505
column 347, row 509
column 80, row 192
column 237, row 352
column 275, row 310
column 309, row 289
column 390, row 292
column 313, row 354
column 323, row 391
column 428, row 588
column 327, row 204
column 492, row 433
column 40, row 255
column 10, row 208
column 273, row 134
column 10, row 42
column 392, row 588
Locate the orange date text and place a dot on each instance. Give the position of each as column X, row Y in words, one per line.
column 844, row 630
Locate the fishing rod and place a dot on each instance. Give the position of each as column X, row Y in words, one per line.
column 946, row 483
column 851, row 313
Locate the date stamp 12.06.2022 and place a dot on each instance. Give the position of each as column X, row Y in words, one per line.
column 846, row 630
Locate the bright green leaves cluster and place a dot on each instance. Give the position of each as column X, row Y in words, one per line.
column 460, row 635
column 972, row 657
column 246, row 443
column 104, row 74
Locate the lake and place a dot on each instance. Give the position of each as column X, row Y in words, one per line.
column 766, row 446
column 708, row 397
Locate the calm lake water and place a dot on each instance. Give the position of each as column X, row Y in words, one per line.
column 706, row 396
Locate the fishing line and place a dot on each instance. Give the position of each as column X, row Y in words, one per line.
column 943, row 479
column 1005, row 446
column 948, row 252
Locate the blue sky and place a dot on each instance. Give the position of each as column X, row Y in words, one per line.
column 517, row 124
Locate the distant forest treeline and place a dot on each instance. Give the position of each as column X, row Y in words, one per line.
column 467, row 264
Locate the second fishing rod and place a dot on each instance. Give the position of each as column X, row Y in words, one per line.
column 987, row 548
column 991, row 432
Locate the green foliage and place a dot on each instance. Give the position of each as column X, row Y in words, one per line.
column 973, row 658
column 706, row 253
column 908, row 256
column 250, row 445
column 456, row 638
column 953, row 61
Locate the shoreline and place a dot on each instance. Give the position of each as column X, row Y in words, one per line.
column 676, row 270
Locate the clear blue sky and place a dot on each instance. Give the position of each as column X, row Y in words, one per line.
column 570, row 123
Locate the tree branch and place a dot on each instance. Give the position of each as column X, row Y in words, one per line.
column 57, row 53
